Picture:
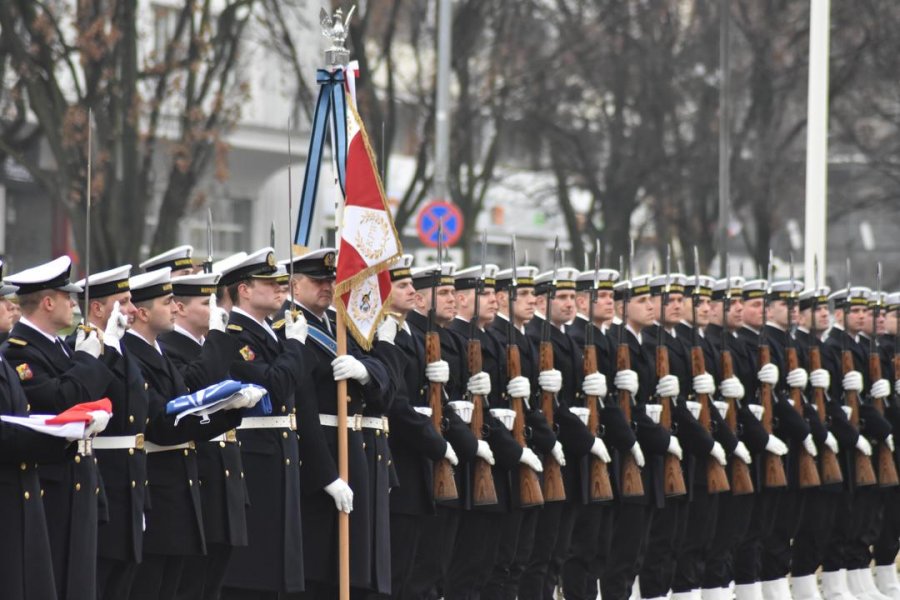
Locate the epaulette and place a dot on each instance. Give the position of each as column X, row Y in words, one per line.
column 233, row 327
column 17, row 341
column 278, row 324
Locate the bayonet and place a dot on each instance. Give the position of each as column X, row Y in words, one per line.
column 272, row 234
column 479, row 287
column 87, row 220
column 290, row 212
column 207, row 266
column 695, row 298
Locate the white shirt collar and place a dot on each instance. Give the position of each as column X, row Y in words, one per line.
column 323, row 319
column 264, row 324
column 520, row 329
column 635, row 334
column 24, row 320
column 188, row 334
column 146, row 341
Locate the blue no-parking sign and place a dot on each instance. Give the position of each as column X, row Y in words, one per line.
column 430, row 218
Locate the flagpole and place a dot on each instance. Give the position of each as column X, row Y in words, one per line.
column 343, row 469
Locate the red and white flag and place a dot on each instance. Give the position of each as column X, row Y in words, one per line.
column 368, row 240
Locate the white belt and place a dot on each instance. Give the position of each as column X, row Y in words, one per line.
column 228, row 436
column 286, row 422
column 119, row 442
column 423, row 410
column 357, row 422
column 150, row 447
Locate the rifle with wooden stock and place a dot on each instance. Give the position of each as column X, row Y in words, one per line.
column 529, row 485
column 632, row 485
column 716, row 477
column 865, row 473
column 808, row 472
column 484, row 493
column 444, row 482
column 829, row 467
column 600, row 486
column 554, row 488
column 775, row 476
column 673, row 476
column 887, row 470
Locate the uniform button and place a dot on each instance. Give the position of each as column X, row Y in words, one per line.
column 28, row 407
column 95, row 460
column 242, row 474
column 294, row 410
column 377, row 433
column 221, row 444
column 227, row 473
column 146, row 482
column 133, row 484
column 131, row 418
column 287, row 461
column 283, row 409
column 185, row 452
column 77, row 487
column 96, row 492
column 147, row 421
column 190, row 482
column 23, row 466
column 131, row 451
column 284, row 434
column 42, row 492
column 146, row 386
column 379, row 457
column 77, row 458
column 390, row 462
column 27, row 495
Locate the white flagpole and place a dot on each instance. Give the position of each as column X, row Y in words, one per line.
column 816, row 222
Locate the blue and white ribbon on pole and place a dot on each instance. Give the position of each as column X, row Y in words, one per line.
column 333, row 103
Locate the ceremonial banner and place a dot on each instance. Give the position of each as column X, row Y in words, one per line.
column 368, row 240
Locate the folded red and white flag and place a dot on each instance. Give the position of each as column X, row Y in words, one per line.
column 70, row 424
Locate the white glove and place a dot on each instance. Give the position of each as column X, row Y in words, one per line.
column 558, row 454
column 831, row 442
column 852, row 382
column 342, row 494
column 627, row 380
column 349, row 367
column 776, row 446
column 667, row 387
column 881, row 389
column 718, row 453
column 732, row 388
column 810, row 445
column 675, row 447
column 387, row 331
column 530, row 460
column 450, row 454
column 768, row 374
column 704, row 384
column 518, row 387
column 479, row 384
column 742, row 453
column 820, row 378
column 218, row 317
column 797, row 378
column 550, row 381
column 437, row 371
column 594, row 385
column 863, row 445
column 88, row 342
column 484, row 451
column 115, row 327
column 638, row 455
column 889, row 440
column 253, row 395
column 599, row 450
column 295, row 328
column 99, row 421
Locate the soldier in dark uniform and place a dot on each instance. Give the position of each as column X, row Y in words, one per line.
column 801, row 431
column 119, row 451
column 175, row 519
column 271, row 565
column 55, row 378
column 178, row 260
column 202, row 352
column 887, row 545
column 7, row 309
column 554, row 530
column 592, row 533
column 414, row 443
column 518, row 524
column 845, row 563
column 480, row 528
column 439, row 536
column 369, row 390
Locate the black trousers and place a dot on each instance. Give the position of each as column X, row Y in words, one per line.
column 776, row 547
column 473, row 554
column 436, row 542
column 114, row 578
column 732, row 528
column 888, row 543
column 695, row 537
column 867, row 514
column 591, row 537
column 534, row 580
column 816, row 528
column 406, row 531
column 658, row 558
column 630, row 529
column 203, row 575
column 517, row 529
column 157, row 577
column 748, row 554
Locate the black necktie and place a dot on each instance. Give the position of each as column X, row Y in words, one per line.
column 62, row 347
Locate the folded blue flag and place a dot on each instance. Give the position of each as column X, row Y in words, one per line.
column 206, row 396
